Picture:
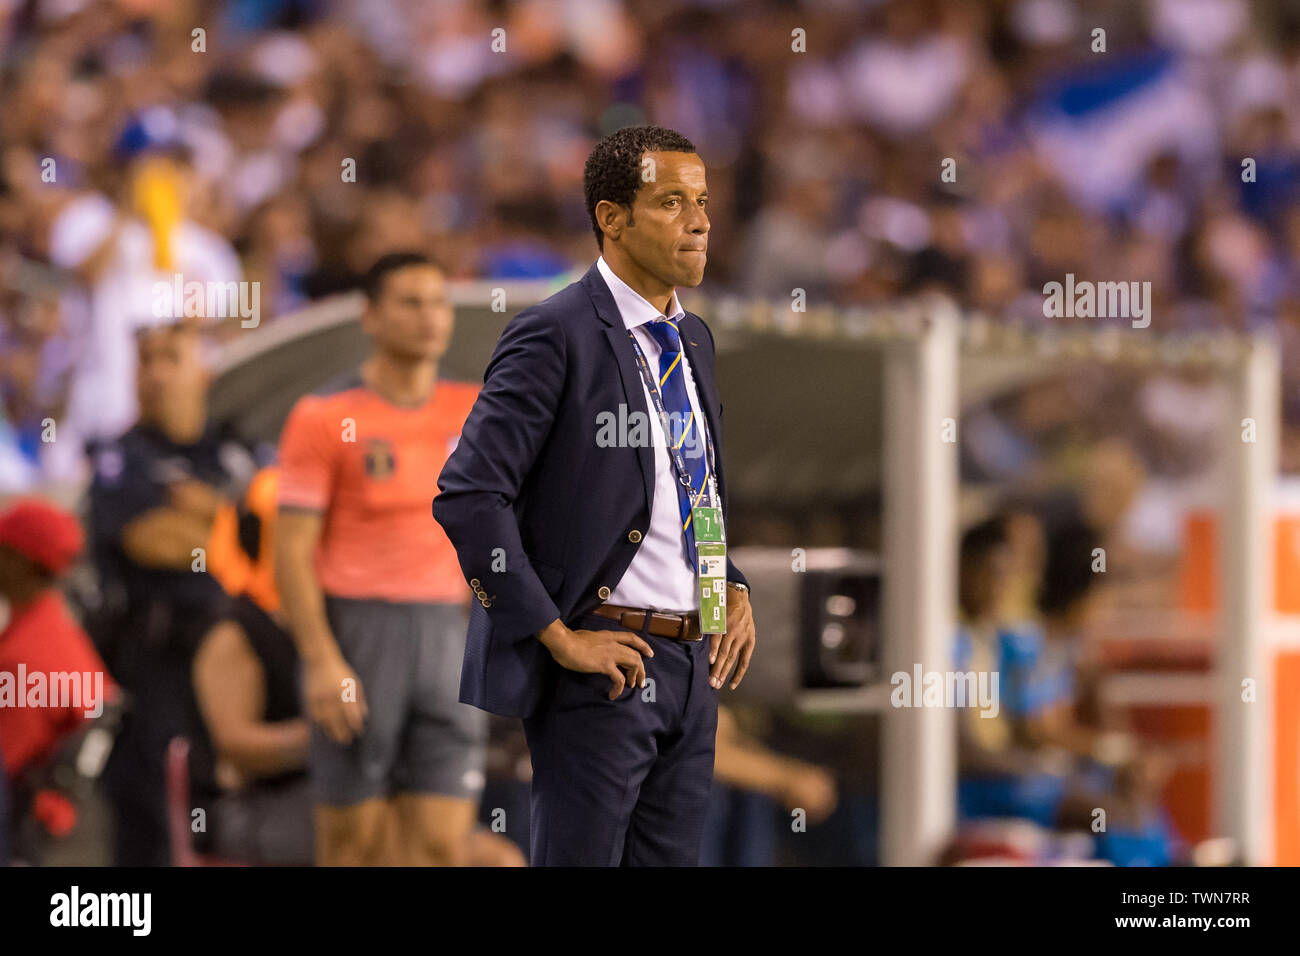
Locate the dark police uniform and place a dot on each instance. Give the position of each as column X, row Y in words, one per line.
column 151, row 620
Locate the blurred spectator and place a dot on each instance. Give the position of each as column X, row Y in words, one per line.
column 1035, row 759
column 38, row 542
column 156, row 495
column 1059, row 683
column 120, row 255
column 36, row 358
column 51, row 679
column 255, row 735
column 998, row 775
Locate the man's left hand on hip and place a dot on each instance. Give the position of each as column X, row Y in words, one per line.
column 734, row 648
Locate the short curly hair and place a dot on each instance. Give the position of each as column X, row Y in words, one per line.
column 613, row 169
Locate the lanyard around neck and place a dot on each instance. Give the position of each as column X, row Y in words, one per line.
column 674, row 453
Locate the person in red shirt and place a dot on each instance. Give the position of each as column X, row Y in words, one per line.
column 51, row 677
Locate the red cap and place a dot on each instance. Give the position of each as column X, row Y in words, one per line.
column 42, row 532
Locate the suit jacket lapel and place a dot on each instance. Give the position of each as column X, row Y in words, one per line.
column 635, row 393
column 617, row 334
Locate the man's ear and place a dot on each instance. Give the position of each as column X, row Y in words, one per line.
column 612, row 215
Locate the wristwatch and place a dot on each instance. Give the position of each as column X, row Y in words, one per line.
column 738, row 586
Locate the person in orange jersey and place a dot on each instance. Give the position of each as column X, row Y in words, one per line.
column 372, row 587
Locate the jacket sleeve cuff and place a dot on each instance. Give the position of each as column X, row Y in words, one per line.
column 518, row 604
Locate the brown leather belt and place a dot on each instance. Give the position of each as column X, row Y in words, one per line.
column 681, row 627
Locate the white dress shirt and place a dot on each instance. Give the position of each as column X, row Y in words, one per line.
column 659, row 577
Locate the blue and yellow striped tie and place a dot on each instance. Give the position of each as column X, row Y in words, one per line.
column 672, row 388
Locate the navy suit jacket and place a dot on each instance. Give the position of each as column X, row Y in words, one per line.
column 529, row 492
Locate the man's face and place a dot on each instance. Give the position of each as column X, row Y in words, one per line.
column 668, row 235
column 170, row 370
column 412, row 316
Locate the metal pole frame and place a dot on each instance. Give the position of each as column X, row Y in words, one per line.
column 1242, row 731
column 918, row 753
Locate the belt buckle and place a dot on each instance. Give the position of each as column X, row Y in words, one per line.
column 691, row 624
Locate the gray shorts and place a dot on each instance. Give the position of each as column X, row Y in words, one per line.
column 418, row 736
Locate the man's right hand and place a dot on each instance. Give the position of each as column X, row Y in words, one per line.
column 616, row 653
column 326, row 685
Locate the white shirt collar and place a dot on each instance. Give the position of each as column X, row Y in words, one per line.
column 634, row 309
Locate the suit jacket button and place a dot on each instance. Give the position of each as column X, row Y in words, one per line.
column 603, row 593
column 634, row 536
column 474, row 583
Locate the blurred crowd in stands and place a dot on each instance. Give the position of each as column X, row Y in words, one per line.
column 825, row 127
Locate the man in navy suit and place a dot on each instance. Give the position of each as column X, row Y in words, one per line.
column 585, row 500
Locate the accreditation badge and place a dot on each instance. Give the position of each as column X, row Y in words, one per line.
column 711, row 571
